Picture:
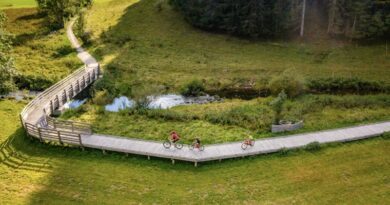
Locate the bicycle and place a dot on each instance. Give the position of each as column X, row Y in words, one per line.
column 197, row 146
column 247, row 143
column 168, row 144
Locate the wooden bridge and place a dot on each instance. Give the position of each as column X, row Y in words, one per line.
column 37, row 123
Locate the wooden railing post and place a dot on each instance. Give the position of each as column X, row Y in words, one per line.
column 51, row 107
column 72, row 127
column 81, row 143
column 40, row 134
column 59, row 137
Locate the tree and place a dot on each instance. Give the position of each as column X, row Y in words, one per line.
column 7, row 71
column 59, row 11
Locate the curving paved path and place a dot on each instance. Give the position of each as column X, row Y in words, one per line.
column 218, row 151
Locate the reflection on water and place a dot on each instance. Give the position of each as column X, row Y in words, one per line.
column 73, row 104
column 120, row 104
column 160, row 102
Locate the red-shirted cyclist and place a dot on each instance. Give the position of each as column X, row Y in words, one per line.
column 174, row 137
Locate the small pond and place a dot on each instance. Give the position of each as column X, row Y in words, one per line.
column 160, row 101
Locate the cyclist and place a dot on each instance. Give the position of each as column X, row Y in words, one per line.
column 174, row 137
column 249, row 140
column 197, row 143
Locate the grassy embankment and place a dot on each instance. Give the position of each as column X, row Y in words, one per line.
column 152, row 50
column 147, row 50
column 34, row 173
column 42, row 57
column 8, row 4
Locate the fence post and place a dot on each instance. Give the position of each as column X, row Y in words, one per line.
column 40, row 134
column 59, row 137
column 72, row 126
column 51, row 107
column 81, row 143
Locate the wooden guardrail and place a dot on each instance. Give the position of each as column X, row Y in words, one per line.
column 38, row 124
column 77, row 127
column 54, row 135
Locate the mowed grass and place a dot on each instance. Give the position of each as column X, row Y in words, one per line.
column 37, row 50
column 234, row 120
column 34, row 173
column 6, row 4
column 154, row 51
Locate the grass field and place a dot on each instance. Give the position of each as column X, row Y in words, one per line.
column 34, row 173
column 152, row 50
column 7, row 4
column 38, row 52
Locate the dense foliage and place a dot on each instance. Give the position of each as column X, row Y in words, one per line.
column 6, row 62
column 58, row 11
column 259, row 18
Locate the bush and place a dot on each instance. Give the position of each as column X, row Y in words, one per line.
column 277, row 106
column 313, row 146
column 347, row 85
column 104, row 83
column 101, row 98
column 288, row 81
column 31, row 82
column 194, row 88
column 77, row 112
column 63, row 51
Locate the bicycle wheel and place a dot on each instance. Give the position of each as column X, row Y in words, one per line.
column 167, row 144
column 191, row 147
column 244, row 146
column 178, row 145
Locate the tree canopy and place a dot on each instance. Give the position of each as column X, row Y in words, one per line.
column 7, row 70
column 261, row 18
column 59, row 11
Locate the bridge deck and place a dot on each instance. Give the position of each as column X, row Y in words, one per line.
column 231, row 150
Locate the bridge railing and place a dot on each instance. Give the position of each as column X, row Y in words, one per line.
column 42, row 96
column 66, row 125
column 34, row 117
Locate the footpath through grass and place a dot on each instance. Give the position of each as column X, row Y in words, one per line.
column 34, row 173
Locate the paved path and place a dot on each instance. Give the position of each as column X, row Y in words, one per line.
column 83, row 55
column 232, row 150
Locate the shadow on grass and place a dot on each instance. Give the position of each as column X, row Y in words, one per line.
column 12, row 157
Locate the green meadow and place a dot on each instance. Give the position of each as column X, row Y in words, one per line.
column 145, row 50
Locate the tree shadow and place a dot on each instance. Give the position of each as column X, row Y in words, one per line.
column 12, row 156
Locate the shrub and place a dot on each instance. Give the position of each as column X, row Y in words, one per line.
column 104, row 83
column 313, row 146
column 101, row 98
column 277, row 106
column 194, row 88
column 77, row 112
column 31, row 82
column 288, row 81
column 347, row 85
column 63, row 51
